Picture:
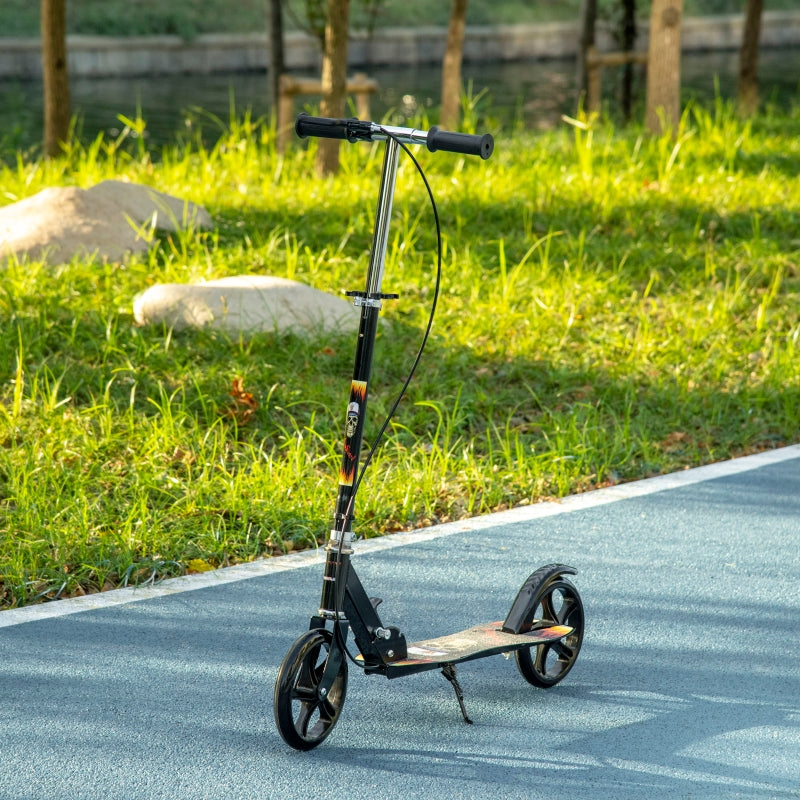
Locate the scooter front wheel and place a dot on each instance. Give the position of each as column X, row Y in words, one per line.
column 544, row 665
column 304, row 717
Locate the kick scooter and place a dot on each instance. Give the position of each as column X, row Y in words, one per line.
column 544, row 627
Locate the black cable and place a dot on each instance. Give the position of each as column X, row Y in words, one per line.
column 437, row 286
column 428, row 328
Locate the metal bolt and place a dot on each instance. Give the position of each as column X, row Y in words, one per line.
column 323, row 692
column 390, row 653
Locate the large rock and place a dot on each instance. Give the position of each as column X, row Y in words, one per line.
column 105, row 222
column 245, row 303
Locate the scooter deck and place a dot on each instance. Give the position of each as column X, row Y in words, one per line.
column 482, row 640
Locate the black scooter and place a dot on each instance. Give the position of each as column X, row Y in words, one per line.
column 544, row 627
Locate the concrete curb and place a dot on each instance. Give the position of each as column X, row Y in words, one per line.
column 102, row 56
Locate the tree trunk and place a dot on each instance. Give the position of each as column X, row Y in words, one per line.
column 277, row 66
column 664, row 66
column 628, row 38
column 451, row 67
column 748, row 58
column 55, row 75
column 334, row 80
column 277, row 60
column 586, row 40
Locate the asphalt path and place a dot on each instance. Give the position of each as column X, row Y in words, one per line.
column 687, row 686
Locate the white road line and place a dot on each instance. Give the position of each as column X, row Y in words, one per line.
column 241, row 572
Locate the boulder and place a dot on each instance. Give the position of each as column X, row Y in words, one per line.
column 106, row 221
column 246, row 303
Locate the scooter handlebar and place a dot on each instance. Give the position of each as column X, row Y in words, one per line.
column 327, row 128
column 354, row 130
column 467, row 143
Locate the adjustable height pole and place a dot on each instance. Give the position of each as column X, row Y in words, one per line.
column 339, row 547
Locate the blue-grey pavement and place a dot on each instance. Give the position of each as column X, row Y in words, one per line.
column 688, row 684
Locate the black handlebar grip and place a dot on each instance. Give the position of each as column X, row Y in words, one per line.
column 324, row 127
column 467, row 143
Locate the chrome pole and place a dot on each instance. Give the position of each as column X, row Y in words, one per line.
column 380, row 237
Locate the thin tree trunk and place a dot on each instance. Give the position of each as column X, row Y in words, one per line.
column 451, row 67
column 628, row 42
column 55, row 75
column 748, row 58
column 334, row 80
column 277, row 60
column 664, row 66
column 586, row 40
column 277, row 66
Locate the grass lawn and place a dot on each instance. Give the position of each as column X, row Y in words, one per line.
column 615, row 306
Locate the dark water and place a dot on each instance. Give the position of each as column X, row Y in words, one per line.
column 533, row 94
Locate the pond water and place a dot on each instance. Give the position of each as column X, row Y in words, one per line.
column 534, row 94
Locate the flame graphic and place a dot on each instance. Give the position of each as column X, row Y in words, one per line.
column 358, row 391
column 347, row 474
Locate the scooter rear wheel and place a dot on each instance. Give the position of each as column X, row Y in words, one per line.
column 305, row 719
column 544, row 665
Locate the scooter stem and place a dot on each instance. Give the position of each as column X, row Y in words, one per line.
column 383, row 215
column 339, row 545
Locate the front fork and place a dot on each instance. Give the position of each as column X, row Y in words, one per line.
column 344, row 601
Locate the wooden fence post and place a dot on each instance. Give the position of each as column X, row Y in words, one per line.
column 595, row 63
column 359, row 85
